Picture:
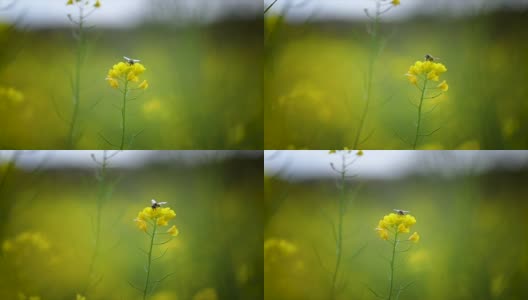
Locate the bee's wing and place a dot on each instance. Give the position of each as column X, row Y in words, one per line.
column 162, row 203
column 136, row 60
column 126, row 58
column 153, row 201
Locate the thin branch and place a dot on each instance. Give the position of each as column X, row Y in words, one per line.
column 107, row 141
column 320, row 260
column 161, row 255
column 163, row 243
column 270, row 6
column 432, row 109
column 130, row 283
column 374, row 292
column 431, row 133
column 401, row 138
column 435, row 96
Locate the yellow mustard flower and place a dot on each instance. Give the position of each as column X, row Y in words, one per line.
column 143, row 85
column 141, row 224
column 383, row 233
column 160, row 215
column 443, row 86
column 415, row 237
column 126, row 72
column 113, row 82
column 400, row 223
column 97, row 4
column 395, row 2
column 430, row 69
column 70, row 2
column 412, row 78
column 173, row 231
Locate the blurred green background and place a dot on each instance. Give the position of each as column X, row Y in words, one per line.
column 472, row 225
column 315, row 70
column 48, row 216
column 204, row 91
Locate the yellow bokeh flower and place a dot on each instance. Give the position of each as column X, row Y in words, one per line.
column 97, row 4
column 11, row 94
column 173, row 231
column 395, row 2
column 359, row 153
column 275, row 249
column 7, row 246
column 70, row 2
column 80, row 297
column 206, row 294
column 415, row 237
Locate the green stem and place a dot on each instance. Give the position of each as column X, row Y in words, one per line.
column 123, row 116
column 149, row 261
column 373, row 56
column 77, row 85
column 100, row 201
column 339, row 241
column 418, row 123
column 392, row 264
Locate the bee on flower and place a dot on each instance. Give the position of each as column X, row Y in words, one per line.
column 125, row 76
column 156, row 216
column 424, row 75
column 398, row 222
column 125, row 72
column 391, row 228
column 425, row 70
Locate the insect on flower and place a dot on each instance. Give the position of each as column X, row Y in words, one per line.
column 401, row 212
column 429, row 57
column 157, row 204
column 131, row 61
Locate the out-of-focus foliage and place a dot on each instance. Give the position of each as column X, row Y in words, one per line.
column 47, row 239
column 472, row 238
column 315, row 74
column 205, row 89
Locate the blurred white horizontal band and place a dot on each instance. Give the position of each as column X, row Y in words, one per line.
column 387, row 164
column 301, row 10
column 123, row 159
column 129, row 13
